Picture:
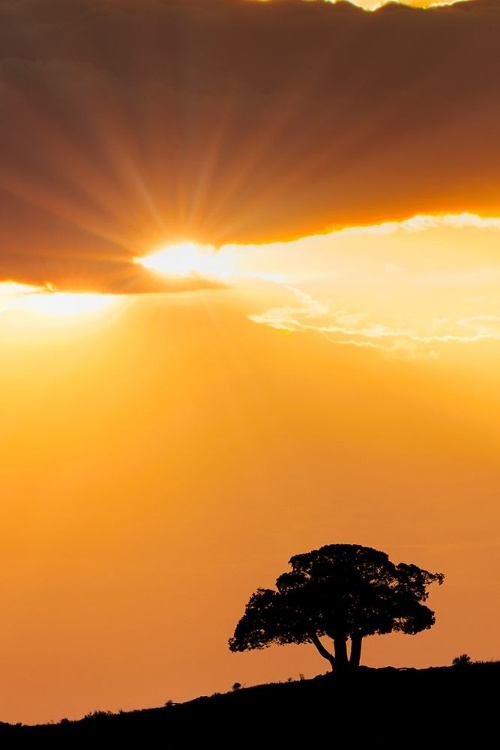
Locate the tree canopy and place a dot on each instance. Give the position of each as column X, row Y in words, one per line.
column 343, row 592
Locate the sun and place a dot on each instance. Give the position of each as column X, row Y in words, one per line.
column 187, row 259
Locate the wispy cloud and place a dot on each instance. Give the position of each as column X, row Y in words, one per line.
column 373, row 318
column 421, row 222
column 357, row 329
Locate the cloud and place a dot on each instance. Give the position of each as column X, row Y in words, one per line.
column 363, row 331
column 421, row 222
column 129, row 124
column 353, row 295
column 77, row 274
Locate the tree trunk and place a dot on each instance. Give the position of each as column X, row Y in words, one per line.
column 340, row 648
column 339, row 662
column 355, row 657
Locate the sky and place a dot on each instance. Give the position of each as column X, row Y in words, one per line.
column 249, row 306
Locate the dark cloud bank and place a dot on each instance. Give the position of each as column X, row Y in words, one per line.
column 125, row 123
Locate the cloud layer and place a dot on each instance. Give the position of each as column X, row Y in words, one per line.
column 128, row 124
column 410, row 289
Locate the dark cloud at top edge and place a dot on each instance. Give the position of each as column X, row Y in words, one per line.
column 126, row 125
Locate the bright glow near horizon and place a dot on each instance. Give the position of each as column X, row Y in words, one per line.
column 44, row 301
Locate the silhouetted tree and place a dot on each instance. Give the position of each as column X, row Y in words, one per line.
column 342, row 591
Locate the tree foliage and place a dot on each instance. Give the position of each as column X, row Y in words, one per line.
column 343, row 592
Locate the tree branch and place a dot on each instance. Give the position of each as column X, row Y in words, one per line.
column 322, row 650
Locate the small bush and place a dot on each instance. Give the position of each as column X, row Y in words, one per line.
column 463, row 660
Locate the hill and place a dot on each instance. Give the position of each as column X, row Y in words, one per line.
column 384, row 708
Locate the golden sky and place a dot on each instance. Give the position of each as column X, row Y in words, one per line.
column 321, row 369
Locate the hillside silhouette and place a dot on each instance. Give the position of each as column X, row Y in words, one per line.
column 379, row 708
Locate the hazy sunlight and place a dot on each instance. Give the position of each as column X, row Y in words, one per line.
column 44, row 301
column 187, row 259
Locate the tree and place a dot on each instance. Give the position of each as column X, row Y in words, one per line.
column 342, row 591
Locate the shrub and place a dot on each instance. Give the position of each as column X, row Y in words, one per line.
column 463, row 660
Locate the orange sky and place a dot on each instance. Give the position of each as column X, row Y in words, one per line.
column 164, row 454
